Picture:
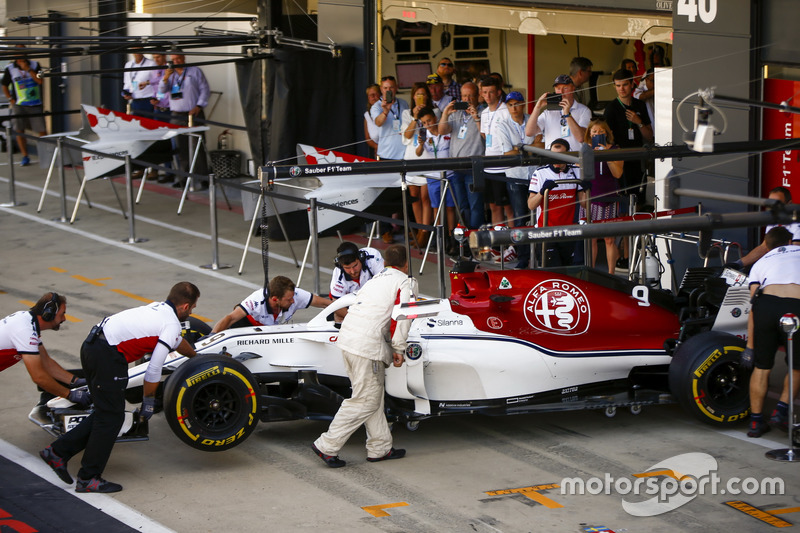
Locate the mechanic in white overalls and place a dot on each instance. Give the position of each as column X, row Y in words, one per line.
column 269, row 307
column 369, row 341
column 775, row 289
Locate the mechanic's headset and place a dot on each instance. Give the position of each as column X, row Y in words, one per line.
column 362, row 256
column 50, row 309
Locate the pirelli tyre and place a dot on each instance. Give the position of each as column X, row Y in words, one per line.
column 706, row 378
column 212, row 403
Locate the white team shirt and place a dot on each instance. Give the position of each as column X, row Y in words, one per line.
column 133, row 78
column 259, row 313
column 512, row 135
column 549, row 123
column 778, row 267
column 561, row 200
column 491, row 127
column 340, row 285
column 19, row 335
column 794, row 229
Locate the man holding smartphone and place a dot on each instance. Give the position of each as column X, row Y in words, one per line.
column 567, row 121
column 386, row 114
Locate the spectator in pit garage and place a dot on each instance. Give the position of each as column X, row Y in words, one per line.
column 136, row 87
column 434, row 145
column 370, row 340
column 781, row 194
column 275, row 305
column 492, row 119
column 113, row 343
column 353, row 267
column 464, row 125
column 775, row 291
column 646, row 92
column 417, row 183
column 446, row 70
column 563, row 205
column 161, row 112
column 632, row 68
column 605, row 187
column 188, row 92
column 387, row 114
column 436, row 88
column 512, row 135
column 22, row 85
column 630, row 124
column 371, row 132
column 580, row 70
column 568, row 122
column 21, row 340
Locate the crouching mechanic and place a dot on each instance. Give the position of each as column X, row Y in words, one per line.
column 369, row 341
column 20, row 339
column 775, row 291
column 353, row 268
column 276, row 305
column 112, row 344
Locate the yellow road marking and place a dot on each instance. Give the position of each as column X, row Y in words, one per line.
column 784, row 511
column 532, row 493
column 131, row 295
column 95, row 282
column 59, row 270
column 378, row 510
column 69, row 318
column 669, row 473
column 757, row 513
column 27, row 302
column 198, row 317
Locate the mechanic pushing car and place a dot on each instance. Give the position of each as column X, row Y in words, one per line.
column 20, row 339
column 354, row 267
column 369, row 340
column 775, row 290
column 275, row 305
column 113, row 343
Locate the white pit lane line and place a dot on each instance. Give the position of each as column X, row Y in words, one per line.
column 101, row 502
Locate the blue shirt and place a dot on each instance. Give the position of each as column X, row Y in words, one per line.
column 192, row 87
column 390, row 144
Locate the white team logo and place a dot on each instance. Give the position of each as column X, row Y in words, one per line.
column 559, row 307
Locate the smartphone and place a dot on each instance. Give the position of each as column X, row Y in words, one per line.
column 463, row 106
column 598, row 140
column 553, row 101
column 389, row 97
column 419, row 99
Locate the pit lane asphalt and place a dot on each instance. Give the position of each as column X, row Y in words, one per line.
column 461, row 473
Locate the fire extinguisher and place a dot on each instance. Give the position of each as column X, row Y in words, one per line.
column 225, row 140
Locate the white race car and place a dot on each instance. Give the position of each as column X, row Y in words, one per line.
column 505, row 342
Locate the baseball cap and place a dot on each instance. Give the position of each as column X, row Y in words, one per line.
column 515, row 95
column 562, row 142
column 433, row 78
column 563, row 79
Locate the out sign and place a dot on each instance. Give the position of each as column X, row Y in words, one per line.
column 705, row 9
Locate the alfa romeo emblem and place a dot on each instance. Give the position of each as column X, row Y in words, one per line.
column 558, row 307
column 295, row 171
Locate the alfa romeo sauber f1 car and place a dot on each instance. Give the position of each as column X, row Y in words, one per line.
column 505, row 342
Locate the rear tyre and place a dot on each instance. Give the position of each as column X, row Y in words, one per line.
column 212, row 402
column 706, row 378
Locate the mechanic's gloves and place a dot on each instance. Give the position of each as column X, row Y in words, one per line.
column 81, row 397
column 547, row 185
column 746, row 359
column 77, row 382
column 148, row 407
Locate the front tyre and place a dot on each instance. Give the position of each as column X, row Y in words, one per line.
column 706, row 378
column 212, row 402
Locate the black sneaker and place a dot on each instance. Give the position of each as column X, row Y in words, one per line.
column 58, row 464
column 96, row 484
column 332, row 461
column 757, row 428
column 391, row 454
column 779, row 420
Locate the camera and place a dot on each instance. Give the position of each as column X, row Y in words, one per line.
column 553, row 101
column 389, row 97
column 461, row 106
column 598, row 140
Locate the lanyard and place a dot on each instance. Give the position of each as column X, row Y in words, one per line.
column 135, row 73
column 630, row 124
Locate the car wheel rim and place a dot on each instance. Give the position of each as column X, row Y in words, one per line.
column 216, row 406
column 725, row 384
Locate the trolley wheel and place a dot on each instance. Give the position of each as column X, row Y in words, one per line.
column 610, row 412
column 412, row 425
column 636, row 409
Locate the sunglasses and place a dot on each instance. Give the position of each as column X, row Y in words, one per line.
column 388, row 78
column 445, row 64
